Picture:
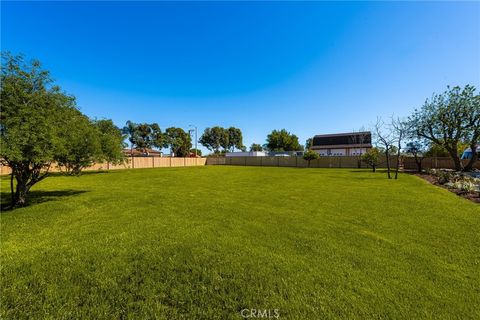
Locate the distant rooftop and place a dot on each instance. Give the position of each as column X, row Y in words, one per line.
column 347, row 139
column 136, row 153
column 345, row 134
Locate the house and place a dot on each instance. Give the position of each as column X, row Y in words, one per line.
column 285, row 153
column 141, row 153
column 342, row 144
column 265, row 154
column 246, row 154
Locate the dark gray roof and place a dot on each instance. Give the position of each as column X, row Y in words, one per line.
column 349, row 138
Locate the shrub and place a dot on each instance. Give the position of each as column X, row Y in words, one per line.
column 468, row 186
column 443, row 177
column 310, row 155
column 371, row 157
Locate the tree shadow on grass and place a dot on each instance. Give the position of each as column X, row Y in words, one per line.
column 366, row 170
column 36, row 197
column 371, row 175
column 88, row 173
column 83, row 173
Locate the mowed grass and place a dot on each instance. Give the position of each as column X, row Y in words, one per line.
column 207, row 242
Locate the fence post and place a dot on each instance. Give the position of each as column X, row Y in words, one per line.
column 153, row 162
column 170, row 161
column 184, row 161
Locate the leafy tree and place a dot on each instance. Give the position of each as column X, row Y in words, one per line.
column 34, row 123
column 82, row 146
column 144, row 136
column 282, row 140
column 371, row 158
column 435, row 150
column 224, row 138
column 157, row 137
column 235, row 139
column 111, row 141
column 214, row 138
column 133, row 134
column 308, row 143
column 207, row 140
column 88, row 142
column 449, row 118
column 418, row 150
column 256, row 147
column 178, row 141
column 310, row 155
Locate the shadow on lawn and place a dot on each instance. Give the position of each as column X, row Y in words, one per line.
column 370, row 171
column 84, row 173
column 36, row 197
column 89, row 173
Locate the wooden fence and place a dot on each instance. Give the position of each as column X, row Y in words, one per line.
column 433, row 163
column 133, row 163
column 407, row 163
column 322, row 162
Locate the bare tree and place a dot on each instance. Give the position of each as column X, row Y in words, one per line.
column 385, row 138
column 400, row 129
column 359, row 137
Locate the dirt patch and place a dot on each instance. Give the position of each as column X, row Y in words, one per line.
column 472, row 196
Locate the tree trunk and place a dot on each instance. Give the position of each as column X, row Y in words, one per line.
column 12, row 193
column 21, row 192
column 473, row 159
column 418, row 161
column 76, row 170
column 387, row 154
column 26, row 174
column 456, row 159
column 373, row 168
column 398, row 164
column 419, row 165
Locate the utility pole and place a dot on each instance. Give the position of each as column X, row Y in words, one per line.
column 191, row 125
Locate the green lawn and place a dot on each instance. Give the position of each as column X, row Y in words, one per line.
column 207, row 242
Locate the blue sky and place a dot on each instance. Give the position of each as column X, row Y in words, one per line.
column 309, row 67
